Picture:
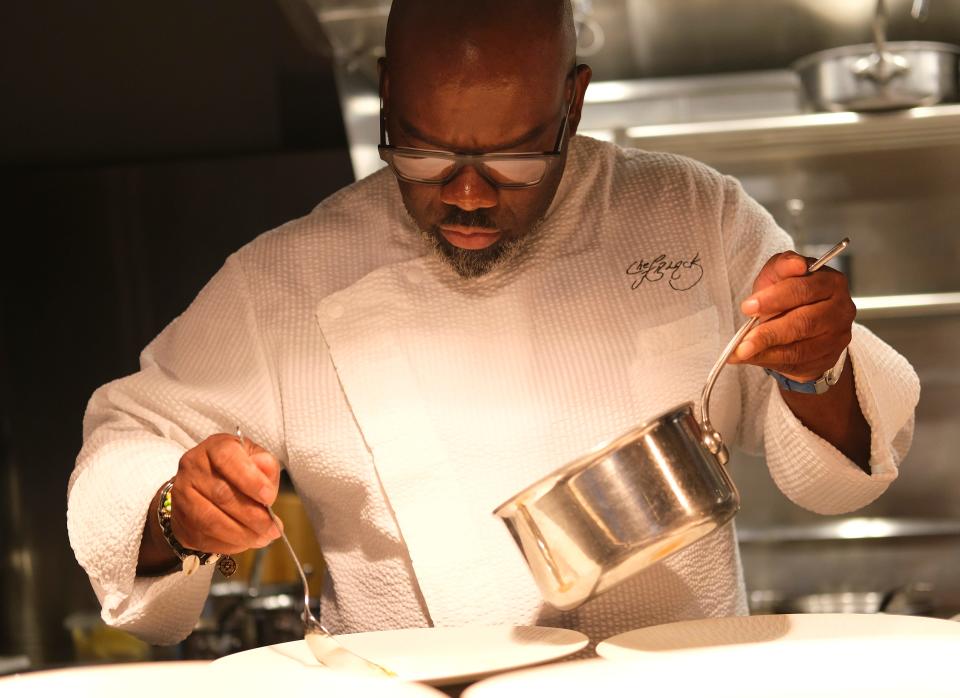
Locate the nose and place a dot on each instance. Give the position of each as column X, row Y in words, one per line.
column 469, row 191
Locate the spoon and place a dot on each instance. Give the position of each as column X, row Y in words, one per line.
column 321, row 641
column 711, row 437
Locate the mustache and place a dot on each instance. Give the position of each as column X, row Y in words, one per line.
column 469, row 219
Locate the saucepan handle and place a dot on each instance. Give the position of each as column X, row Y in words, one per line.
column 881, row 66
column 711, row 438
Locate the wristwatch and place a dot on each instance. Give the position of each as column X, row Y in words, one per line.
column 814, row 387
column 190, row 560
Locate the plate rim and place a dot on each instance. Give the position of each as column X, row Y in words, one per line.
column 620, row 652
column 578, row 641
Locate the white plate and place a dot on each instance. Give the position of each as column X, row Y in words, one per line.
column 752, row 630
column 437, row 656
column 892, row 658
column 172, row 679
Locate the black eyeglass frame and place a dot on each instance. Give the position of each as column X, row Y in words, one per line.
column 387, row 153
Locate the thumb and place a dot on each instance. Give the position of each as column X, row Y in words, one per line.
column 267, row 464
column 265, row 461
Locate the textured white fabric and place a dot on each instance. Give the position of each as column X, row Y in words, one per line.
column 407, row 403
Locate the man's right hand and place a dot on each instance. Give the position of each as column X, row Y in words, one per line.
column 219, row 497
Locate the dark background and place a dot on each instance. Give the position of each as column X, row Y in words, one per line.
column 140, row 144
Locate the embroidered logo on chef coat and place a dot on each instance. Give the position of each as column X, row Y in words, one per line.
column 681, row 274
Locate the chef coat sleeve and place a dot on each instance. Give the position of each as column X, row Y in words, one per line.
column 204, row 374
column 809, row 470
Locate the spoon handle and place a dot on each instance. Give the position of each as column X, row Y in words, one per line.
column 294, row 557
column 321, row 642
column 745, row 328
column 828, row 255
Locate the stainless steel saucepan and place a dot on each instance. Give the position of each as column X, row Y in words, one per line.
column 630, row 502
column 883, row 75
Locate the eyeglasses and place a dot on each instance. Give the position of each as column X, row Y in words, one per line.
column 507, row 170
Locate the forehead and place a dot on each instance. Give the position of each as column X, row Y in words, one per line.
column 466, row 110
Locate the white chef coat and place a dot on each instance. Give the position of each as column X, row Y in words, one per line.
column 407, row 403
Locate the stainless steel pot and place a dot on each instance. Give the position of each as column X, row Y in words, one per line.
column 630, row 502
column 620, row 508
column 855, row 78
column 882, row 75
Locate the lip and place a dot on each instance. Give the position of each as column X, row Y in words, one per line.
column 468, row 238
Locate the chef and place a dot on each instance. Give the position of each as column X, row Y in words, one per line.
column 430, row 340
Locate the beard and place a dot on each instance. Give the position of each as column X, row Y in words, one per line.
column 468, row 264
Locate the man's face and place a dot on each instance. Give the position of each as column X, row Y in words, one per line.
column 473, row 223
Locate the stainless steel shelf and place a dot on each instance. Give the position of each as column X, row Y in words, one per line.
column 907, row 305
column 852, row 529
column 801, row 135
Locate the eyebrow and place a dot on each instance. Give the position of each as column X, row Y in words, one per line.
column 530, row 135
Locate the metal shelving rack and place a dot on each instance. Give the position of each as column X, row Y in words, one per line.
column 907, row 305
column 780, row 138
column 801, row 135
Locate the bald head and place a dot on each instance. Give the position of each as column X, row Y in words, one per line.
column 489, row 38
column 481, row 77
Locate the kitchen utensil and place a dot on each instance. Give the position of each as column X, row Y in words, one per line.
column 440, row 656
column 920, row 10
column 630, row 502
column 882, row 75
column 321, row 641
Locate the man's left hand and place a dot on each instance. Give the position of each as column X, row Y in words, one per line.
column 806, row 319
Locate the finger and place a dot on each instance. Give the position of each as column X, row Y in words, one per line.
column 200, row 524
column 805, row 322
column 232, row 461
column 793, row 292
column 779, row 267
column 212, row 544
column 205, row 517
column 245, row 511
column 270, row 467
column 800, row 361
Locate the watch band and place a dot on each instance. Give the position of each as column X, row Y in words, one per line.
column 191, row 560
column 814, row 387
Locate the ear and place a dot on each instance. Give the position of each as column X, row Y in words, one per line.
column 580, row 82
column 382, row 77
